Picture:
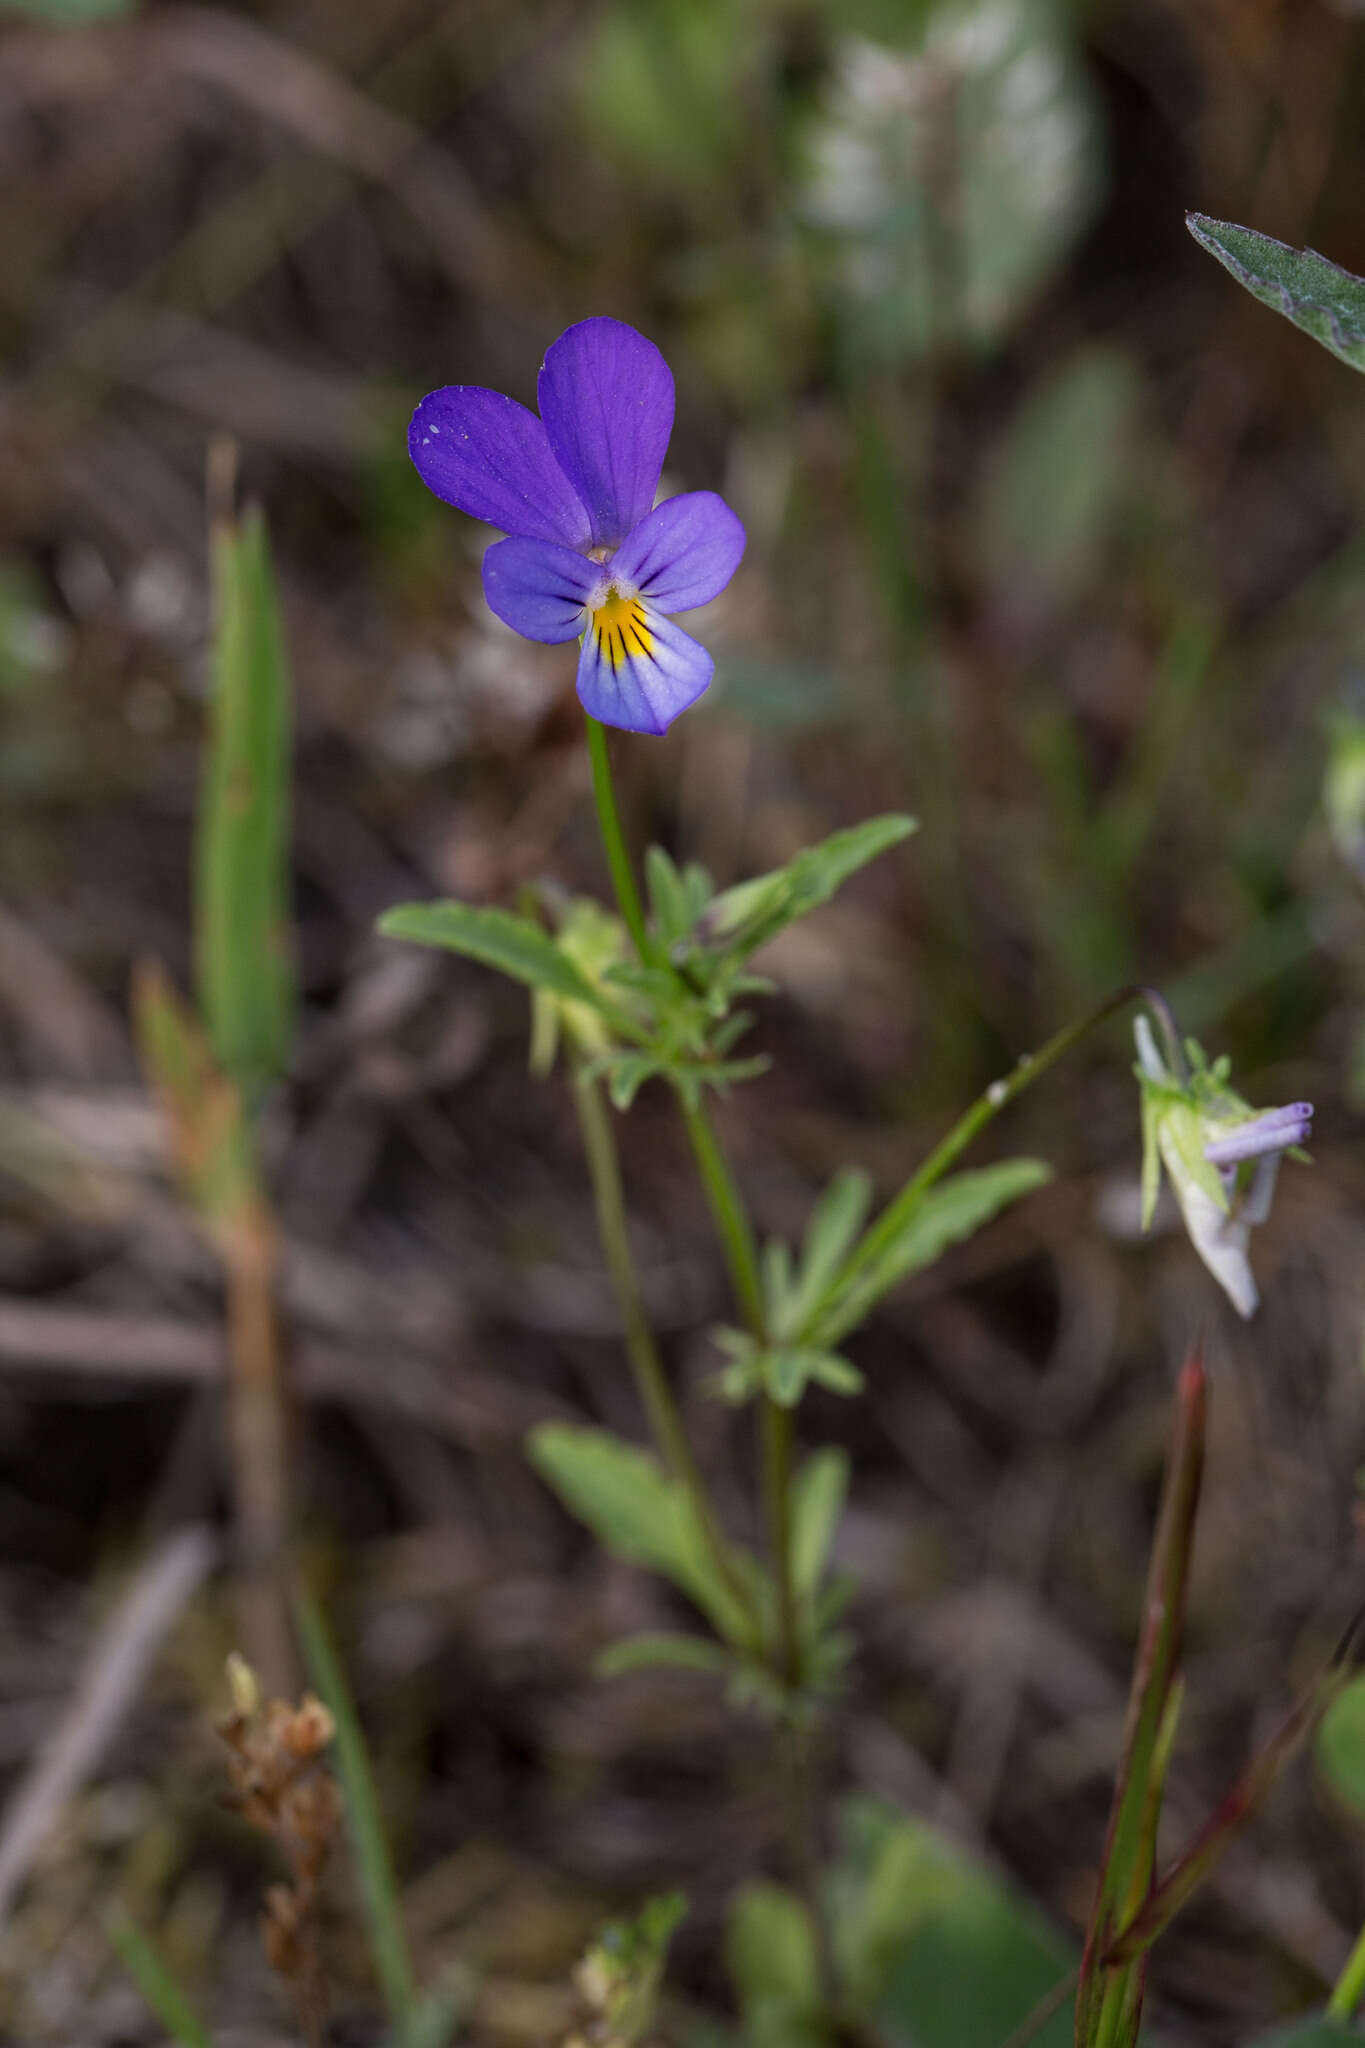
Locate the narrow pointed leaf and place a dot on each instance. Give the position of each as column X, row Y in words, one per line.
column 158, row 1987
column 746, row 917
column 943, row 1215
column 1340, row 1745
column 1191, row 1869
column 817, row 1502
column 1321, row 298
column 624, row 1496
column 497, row 938
column 210, row 1142
column 835, row 1222
column 648, row 1652
column 364, row 1823
column 1126, row 1870
column 243, row 945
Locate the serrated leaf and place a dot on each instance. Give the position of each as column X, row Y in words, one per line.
column 818, row 1496
column 952, row 1210
column 1321, row 298
column 243, row 946
column 1340, row 1745
column 746, row 917
column 496, row 938
column 624, row 1496
column 646, row 1652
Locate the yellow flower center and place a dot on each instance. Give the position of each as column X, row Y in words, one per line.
column 620, row 629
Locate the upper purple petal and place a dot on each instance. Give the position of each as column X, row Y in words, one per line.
column 492, row 458
column 644, row 692
column 683, row 553
column 606, row 397
column 538, row 588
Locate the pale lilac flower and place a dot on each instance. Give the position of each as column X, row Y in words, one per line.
column 1221, row 1158
column 573, row 490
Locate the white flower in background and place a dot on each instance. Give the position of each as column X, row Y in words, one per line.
column 1221, row 1156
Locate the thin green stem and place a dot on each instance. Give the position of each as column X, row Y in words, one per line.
column 1350, row 1985
column 776, row 1429
column 614, row 842
column 665, row 1423
column 988, row 1106
column 729, row 1213
column 775, row 1456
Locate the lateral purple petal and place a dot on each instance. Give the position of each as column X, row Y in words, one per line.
column 538, row 588
column 644, row 692
column 683, row 553
column 492, row 458
column 606, row 397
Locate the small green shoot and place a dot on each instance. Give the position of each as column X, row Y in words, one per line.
column 243, row 948
column 374, row 1865
column 154, row 1980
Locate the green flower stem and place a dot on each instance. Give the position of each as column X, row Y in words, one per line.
column 1350, row 1985
column 741, row 1255
column 998, row 1096
column 650, row 1378
column 614, row 842
column 729, row 1213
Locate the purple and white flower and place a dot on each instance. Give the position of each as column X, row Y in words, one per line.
column 588, row 552
column 1221, row 1158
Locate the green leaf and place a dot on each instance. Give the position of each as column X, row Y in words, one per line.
column 771, row 1957
column 364, row 1825
column 677, row 897
column 1340, row 1745
column 243, row 945
column 834, row 1373
column 744, row 918
column 837, row 1218
column 516, row 946
column 645, row 1652
column 817, row 1503
column 154, row 1980
column 1321, row 298
column 441, row 2010
column 623, row 1495
column 955, row 1209
column 943, row 1952
column 210, row 1139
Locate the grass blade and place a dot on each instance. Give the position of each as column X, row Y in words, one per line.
column 243, row 953
column 155, row 1982
column 374, row 1865
column 1110, row 1991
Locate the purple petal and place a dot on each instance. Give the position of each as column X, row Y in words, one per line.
column 492, row 458
column 606, row 397
column 641, row 679
column 1276, row 1130
column 683, row 553
column 538, row 588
